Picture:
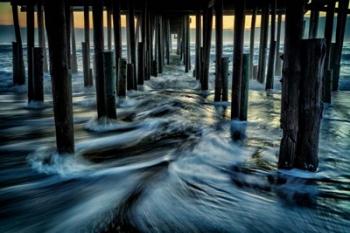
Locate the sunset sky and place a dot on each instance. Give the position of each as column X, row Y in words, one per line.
column 6, row 18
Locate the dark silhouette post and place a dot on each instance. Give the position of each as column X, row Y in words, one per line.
column 55, row 19
column 237, row 70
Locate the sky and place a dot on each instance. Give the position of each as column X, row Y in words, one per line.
column 6, row 18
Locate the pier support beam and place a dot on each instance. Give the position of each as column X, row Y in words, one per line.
column 131, row 40
column 74, row 46
column 237, row 70
column 86, row 49
column 30, row 47
column 310, row 105
column 109, row 24
column 38, row 74
column 121, row 78
column 198, row 45
column 140, row 63
column 278, row 64
column 97, row 11
column 245, row 88
column 339, row 40
column 263, row 43
column 224, row 64
column 187, row 44
column 252, row 40
column 314, row 17
column 41, row 35
column 207, row 28
column 117, row 33
column 18, row 64
column 108, row 65
column 272, row 53
column 328, row 37
column 55, row 19
column 291, row 83
column 218, row 68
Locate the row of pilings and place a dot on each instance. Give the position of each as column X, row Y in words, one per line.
column 310, row 66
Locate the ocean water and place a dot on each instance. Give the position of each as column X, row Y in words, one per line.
column 169, row 163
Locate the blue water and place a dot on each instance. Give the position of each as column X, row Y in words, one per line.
column 169, row 163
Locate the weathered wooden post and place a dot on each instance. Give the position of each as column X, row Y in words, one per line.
column 198, row 44
column 15, row 63
column 339, row 40
column 131, row 40
column 41, row 35
column 224, row 69
column 278, row 65
column 271, row 63
column 314, row 19
column 237, row 70
column 121, row 86
column 219, row 5
column 149, row 41
column 109, row 24
column 30, row 46
column 117, row 33
column 263, row 43
column 68, row 29
column 18, row 65
column 86, row 48
column 245, row 88
column 167, row 41
column 86, row 65
column 108, row 62
column 130, row 77
column 74, row 61
column 327, row 95
column 207, row 28
column 252, row 40
column 291, row 82
column 310, row 105
column 140, row 63
column 328, row 37
column 187, row 44
column 160, row 44
column 55, row 19
column 38, row 75
column 97, row 13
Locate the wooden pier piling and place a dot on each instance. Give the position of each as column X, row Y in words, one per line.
column 272, row 53
column 252, row 40
column 140, row 63
column 219, row 40
column 55, row 19
column 207, row 29
column 263, row 43
column 121, row 86
column 41, row 35
column 130, row 77
column 108, row 65
column 30, row 47
column 339, row 40
column 224, row 70
column 314, row 18
column 310, row 105
column 278, row 63
column 291, row 83
column 245, row 88
column 74, row 65
column 97, row 12
column 18, row 64
column 198, row 45
column 117, row 33
column 131, row 40
column 237, row 70
column 38, row 74
column 88, row 77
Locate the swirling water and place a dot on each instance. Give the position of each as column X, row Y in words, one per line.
column 168, row 164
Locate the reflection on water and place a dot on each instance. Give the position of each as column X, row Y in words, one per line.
column 168, row 164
